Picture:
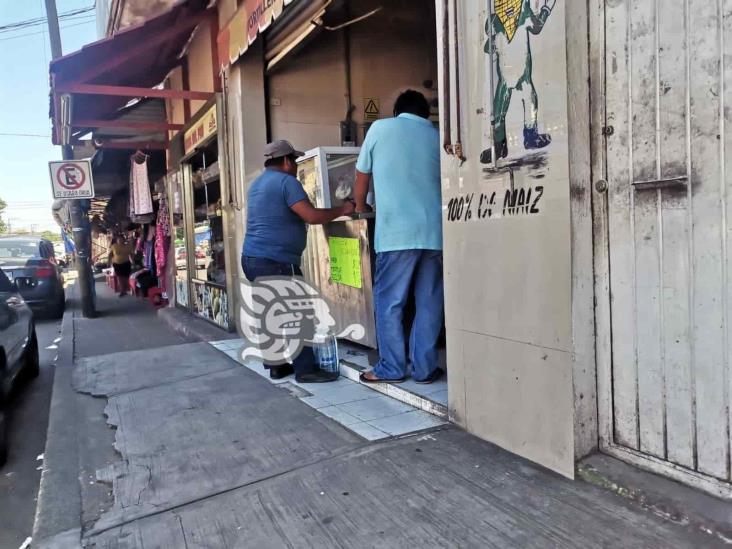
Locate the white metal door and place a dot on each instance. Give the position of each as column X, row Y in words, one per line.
column 667, row 136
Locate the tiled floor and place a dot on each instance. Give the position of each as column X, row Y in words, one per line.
column 362, row 360
column 364, row 411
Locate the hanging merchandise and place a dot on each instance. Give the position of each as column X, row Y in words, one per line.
column 163, row 224
column 149, row 247
column 140, row 198
column 162, row 242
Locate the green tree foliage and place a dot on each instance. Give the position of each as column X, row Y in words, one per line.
column 3, row 206
column 52, row 236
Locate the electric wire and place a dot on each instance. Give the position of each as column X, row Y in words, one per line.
column 42, row 20
column 91, row 20
column 13, row 134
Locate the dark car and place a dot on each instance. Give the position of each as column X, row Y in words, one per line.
column 30, row 262
column 18, row 348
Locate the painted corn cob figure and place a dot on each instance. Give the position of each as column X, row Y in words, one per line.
column 509, row 29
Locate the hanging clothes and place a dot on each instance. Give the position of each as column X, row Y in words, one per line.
column 163, row 221
column 140, row 198
column 149, row 255
column 162, row 242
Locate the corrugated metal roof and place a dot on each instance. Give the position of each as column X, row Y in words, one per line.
column 139, row 110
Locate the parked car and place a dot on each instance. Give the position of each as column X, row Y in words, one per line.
column 180, row 257
column 18, row 348
column 30, row 262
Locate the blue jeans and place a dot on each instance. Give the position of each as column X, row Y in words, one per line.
column 396, row 273
column 253, row 268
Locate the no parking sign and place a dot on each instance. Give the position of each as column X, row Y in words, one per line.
column 71, row 179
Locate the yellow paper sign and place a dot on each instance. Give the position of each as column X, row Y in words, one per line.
column 345, row 261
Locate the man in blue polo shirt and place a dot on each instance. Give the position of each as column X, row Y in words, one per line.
column 277, row 210
column 402, row 155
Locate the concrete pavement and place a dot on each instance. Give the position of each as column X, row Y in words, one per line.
column 209, row 454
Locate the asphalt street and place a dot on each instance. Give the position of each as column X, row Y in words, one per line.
column 20, row 476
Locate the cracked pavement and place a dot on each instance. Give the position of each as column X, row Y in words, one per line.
column 182, row 447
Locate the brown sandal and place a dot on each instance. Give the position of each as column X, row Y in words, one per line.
column 363, row 379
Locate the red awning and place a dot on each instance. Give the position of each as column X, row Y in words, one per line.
column 103, row 76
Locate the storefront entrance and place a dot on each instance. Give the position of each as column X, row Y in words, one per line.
column 323, row 97
column 199, row 228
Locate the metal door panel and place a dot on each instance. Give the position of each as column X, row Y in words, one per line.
column 726, row 145
column 672, row 120
column 620, row 226
column 709, row 240
column 667, row 229
column 676, row 341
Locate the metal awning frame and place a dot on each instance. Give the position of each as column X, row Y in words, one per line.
column 63, row 93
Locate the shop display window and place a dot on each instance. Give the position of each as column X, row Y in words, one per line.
column 180, row 249
column 208, row 221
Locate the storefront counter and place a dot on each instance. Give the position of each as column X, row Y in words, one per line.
column 338, row 262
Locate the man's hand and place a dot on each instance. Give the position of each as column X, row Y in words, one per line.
column 348, row 207
column 363, row 208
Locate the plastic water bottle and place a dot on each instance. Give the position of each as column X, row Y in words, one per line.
column 326, row 353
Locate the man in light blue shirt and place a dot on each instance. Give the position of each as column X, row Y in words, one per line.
column 402, row 155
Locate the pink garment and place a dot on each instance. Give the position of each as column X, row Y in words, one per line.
column 162, row 247
column 140, row 197
column 163, row 224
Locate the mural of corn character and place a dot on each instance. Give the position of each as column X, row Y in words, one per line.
column 510, row 28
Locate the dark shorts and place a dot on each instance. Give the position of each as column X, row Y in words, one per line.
column 254, row 267
column 122, row 269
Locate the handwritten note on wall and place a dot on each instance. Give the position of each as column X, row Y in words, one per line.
column 345, row 261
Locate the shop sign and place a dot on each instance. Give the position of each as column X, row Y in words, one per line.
column 200, row 131
column 371, row 108
column 252, row 18
column 71, row 179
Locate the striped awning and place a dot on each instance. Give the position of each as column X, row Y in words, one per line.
column 252, row 18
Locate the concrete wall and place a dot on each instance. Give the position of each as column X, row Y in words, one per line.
column 174, row 107
column 200, row 63
column 199, row 60
column 508, row 263
column 200, row 74
column 307, row 95
column 246, row 136
column 226, row 10
column 391, row 51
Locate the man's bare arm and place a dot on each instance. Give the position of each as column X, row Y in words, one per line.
column 361, row 190
column 320, row 216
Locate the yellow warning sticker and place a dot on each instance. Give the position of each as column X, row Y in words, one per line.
column 371, row 108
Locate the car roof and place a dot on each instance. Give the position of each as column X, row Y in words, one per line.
column 23, row 238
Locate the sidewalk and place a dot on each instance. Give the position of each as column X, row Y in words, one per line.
column 207, row 453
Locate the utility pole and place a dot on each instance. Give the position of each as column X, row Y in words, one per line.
column 79, row 216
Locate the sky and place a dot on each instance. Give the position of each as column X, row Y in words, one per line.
column 25, row 183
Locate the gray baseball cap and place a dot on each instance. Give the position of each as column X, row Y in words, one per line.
column 278, row 149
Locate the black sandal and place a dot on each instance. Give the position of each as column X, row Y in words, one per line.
column 363, row 379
